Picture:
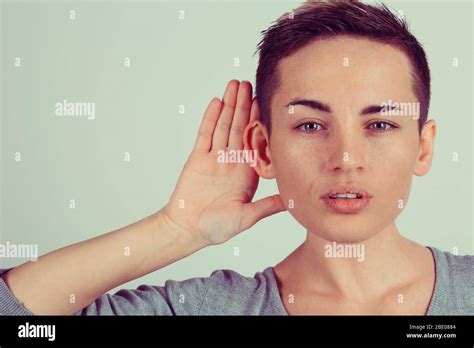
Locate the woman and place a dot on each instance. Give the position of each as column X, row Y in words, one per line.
column 334, row 77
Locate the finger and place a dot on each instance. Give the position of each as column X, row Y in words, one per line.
column 220, row 138
column 208, row 124
column 256, row 211
column 241, row 115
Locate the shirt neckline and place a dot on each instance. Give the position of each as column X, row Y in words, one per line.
column 433, row 305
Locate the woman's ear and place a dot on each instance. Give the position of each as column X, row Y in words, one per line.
column 426, row 148
column 256, row 138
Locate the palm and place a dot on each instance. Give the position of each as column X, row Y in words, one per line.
column 212, row 199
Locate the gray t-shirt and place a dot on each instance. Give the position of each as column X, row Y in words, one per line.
column 226, row 292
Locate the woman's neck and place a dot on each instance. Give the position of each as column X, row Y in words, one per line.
column 360, row 271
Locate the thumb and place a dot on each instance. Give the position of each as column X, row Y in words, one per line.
column 255, row 211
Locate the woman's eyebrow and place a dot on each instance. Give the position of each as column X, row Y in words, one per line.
column 375, row 109
column 320, row 106
column 311, row 103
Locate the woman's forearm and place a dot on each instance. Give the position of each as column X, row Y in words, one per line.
column 68, row 279
column 217, row 207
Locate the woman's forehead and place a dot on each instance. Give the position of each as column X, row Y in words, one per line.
column 345, row 72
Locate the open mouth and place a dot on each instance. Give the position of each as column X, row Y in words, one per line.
column 346, row 196
column 346, row 199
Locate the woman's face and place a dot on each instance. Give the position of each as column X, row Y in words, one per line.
column 347, row 140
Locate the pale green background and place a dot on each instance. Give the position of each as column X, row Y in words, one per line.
column 185, row 62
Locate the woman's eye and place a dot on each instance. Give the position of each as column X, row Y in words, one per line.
column 310, row 127
column 381, row 126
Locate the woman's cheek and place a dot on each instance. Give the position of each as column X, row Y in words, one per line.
column 289, row 171
column 393, row 180
column 297, row 175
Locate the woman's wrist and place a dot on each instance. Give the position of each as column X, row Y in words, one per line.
column 183, row 237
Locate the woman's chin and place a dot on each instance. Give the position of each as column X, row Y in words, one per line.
column 343, row 234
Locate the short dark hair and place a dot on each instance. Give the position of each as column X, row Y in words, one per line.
column 324, row 19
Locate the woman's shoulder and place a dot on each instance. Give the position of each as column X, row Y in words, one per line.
column 456, row 267
column 229, row 277
column 223, row 292
column 230, row 292
column 454, row 292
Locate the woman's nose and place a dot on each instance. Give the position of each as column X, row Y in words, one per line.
column 346, row 152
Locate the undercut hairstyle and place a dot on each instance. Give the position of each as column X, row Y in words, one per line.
column 327, row 19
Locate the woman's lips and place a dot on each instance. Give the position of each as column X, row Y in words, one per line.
column 338, row 198
column 347, row 205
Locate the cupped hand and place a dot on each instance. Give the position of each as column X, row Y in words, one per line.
column 213, row 200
